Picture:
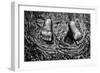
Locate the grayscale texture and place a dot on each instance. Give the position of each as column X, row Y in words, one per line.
column 56, row 36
